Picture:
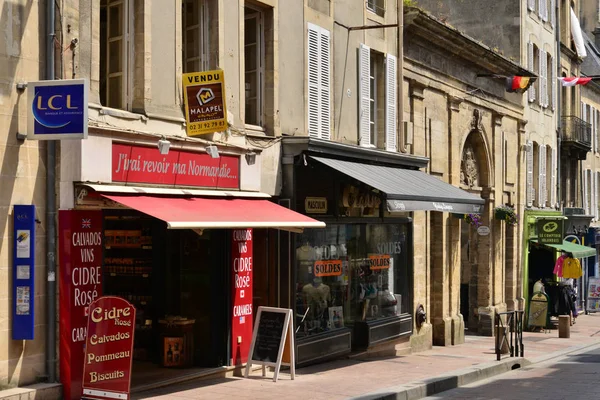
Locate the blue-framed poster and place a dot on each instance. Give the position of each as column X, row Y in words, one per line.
column 23, row 272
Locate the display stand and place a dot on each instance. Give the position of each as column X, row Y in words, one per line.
column 177, row 342
column 272, row 341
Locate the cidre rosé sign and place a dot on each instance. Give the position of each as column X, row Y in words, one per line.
column 241, row 324
column 139, row 164
column 108, row 349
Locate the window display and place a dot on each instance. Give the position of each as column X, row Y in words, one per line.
column 348, row 273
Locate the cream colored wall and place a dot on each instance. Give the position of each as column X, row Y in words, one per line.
column 22, row 181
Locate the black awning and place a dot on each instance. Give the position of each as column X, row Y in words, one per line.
column 409, row 189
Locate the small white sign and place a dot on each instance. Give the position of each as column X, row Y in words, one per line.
column 23, row 243
column 483, row 230
column 23, row 272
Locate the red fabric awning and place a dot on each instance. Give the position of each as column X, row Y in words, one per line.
column 205, row 213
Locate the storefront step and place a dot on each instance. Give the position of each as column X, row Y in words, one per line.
column 192, row 375
column 393, row 348
column 40, row 391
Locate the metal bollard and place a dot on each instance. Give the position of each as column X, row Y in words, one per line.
column 564, row 326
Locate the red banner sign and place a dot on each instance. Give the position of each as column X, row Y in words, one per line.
column 80, row 272
column 109, row 349
column 138, row 164
column 241, row 324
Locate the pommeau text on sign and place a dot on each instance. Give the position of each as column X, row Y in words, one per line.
column 80, row 267
column 138, row 164
column 57, row 109
column 205, row 110
column 242, row 314
column 109, row 349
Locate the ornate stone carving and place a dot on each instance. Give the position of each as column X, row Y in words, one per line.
column 476, row 121
column 469, row 171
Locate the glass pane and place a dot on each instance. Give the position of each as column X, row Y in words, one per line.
column 115, row 92
column 115, row 20
column 250, row 54
column 251, row 85
column 191, row 43
column 250, row 28
column 191, row 12
column 251, row 117
column 192, row 66
column 114, row 56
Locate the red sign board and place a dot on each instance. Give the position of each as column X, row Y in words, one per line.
column 108, row 349
column 241, row 323
column 138, row 164
column 80, row 278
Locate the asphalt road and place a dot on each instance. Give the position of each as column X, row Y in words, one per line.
column 572, row 377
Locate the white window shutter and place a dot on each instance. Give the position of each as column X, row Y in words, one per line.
column 325, row 83
column 553, row 77
column 553, row 180
column 596, row 213
column 541, row 77
column 390, row 103
column 552, row 12
column 593, row 123
column 585, row 193
column 314, row 125
column 364, row 98
column 541, row 194
column 531, row 90
column 529, row 177
column 540, row 7
column 531, row 4
column 593, row 194
column 584, row 111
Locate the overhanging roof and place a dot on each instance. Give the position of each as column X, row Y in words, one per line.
column 408, row 189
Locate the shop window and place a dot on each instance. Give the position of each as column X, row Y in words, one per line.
column 115, row 50
column 195, row 38
column 376, row 6
column 350, row 273
column 254, row 65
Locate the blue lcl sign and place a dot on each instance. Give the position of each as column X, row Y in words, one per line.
column 57, row 109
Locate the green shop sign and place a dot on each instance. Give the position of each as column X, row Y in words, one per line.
column 550, row 231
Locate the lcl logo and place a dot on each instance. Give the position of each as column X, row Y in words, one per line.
column 55, row 102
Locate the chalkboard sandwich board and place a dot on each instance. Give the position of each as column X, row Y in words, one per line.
column 272, row 341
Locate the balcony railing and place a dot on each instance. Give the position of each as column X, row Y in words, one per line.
column 574, row 129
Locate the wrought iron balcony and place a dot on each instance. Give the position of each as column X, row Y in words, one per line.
column 576, row 136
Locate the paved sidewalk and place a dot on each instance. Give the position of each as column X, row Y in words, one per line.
column 413, row 376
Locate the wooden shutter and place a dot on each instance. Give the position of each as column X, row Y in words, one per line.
column 364, row 98
column 592, row 121
column 553, row 180
column 544, row 10
column 325, row 83
column 531, row 4
column 314, row 125
column 552, row 12
column 585, row 193
column 541, row 78
column 319, row 82
column 391, row 113
column 541, row 194
column 529, row 177
column 553, row 77
column 531, row 90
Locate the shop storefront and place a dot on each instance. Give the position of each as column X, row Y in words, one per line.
column 544, row 264
column 174, row 235
column 351, row 283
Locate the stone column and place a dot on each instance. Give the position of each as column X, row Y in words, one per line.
column 454, row 259
column 417, row 117
column 497, row 227
column 484, row 269
column 440, row 305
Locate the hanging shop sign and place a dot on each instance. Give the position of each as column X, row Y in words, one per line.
column 57, row 109
column 80, row 267
column 241, row 323
column 23, row 277
column 108, row 349
column 204, row 95
column 273, row 341
column 139, row 164
column 550, row 231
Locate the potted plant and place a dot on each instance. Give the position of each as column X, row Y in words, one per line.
column 473, row 219
column 506, row 213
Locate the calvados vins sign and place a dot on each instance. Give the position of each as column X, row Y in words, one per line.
column 108, row 349
column 138, row 164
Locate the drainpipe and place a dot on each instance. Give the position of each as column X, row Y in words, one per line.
column 50, row 213
column 558, row 108
column 400, row 77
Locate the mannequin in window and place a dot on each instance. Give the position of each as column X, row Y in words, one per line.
column 317, row 296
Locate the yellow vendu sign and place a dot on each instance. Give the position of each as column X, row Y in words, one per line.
column 204, row 95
